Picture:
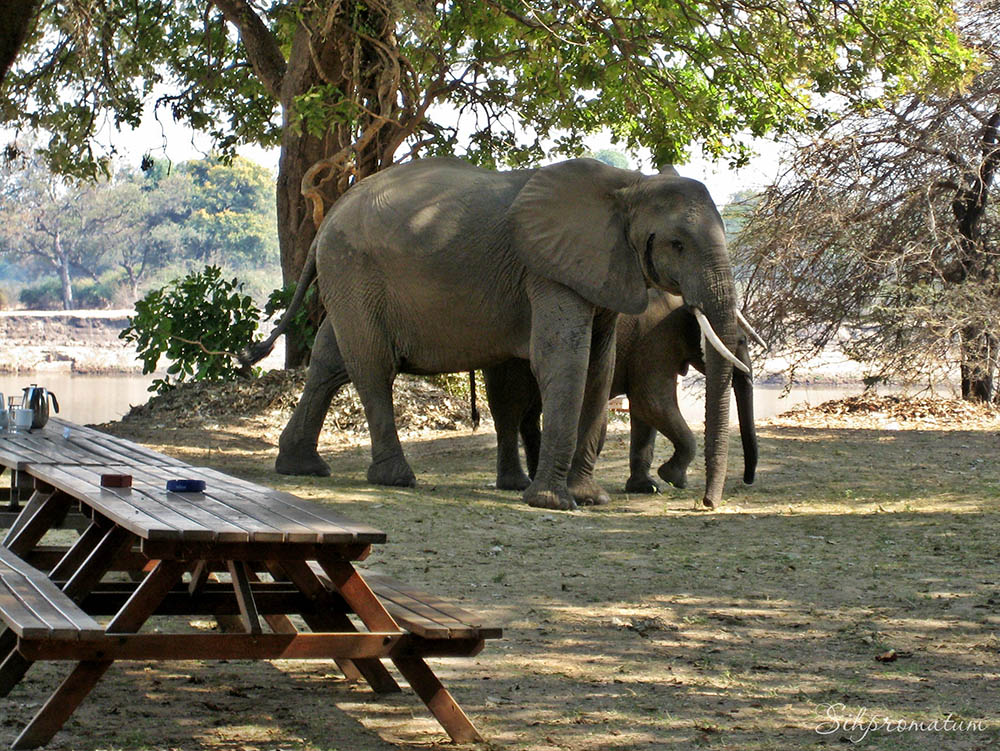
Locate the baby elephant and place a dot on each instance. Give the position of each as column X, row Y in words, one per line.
column 653, row 349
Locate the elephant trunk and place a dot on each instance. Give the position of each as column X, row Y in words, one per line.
column 743, row 388
column 720, row 310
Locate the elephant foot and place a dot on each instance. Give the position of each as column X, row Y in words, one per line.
column 306, row 462
column 512, row 481
column 547, row 498
column 641, row 484
column 674, row 474
column 392, row 471
column 587, row 492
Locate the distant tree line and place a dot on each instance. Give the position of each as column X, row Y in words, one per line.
column 69, row 243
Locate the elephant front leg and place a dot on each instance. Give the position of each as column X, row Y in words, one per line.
column 669, row 420
column 594, row 412
column 642, row 441
column 561, row 328
column 297, row 447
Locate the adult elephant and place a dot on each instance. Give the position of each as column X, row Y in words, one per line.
column 439, row 266
column 653, row 349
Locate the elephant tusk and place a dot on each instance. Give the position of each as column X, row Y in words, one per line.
column 749, row 329
column 712, row 338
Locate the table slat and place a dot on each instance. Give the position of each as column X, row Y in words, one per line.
column 229, row 511
column 329, row 523
column 84, row 445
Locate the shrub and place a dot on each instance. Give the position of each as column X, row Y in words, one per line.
column 47, row 294
column 199, row 323
column 302, row 330
column 90, row 294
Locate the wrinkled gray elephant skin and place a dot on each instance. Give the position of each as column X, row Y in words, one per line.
column 653, row 350
column 438, row 266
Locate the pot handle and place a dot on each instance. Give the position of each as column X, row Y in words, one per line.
column 55, row 402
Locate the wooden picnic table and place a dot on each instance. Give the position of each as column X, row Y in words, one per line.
column 236, row 549
column 63, row 442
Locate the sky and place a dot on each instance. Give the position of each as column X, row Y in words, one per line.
column 164, row 138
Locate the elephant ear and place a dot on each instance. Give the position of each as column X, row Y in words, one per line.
column 568, row 225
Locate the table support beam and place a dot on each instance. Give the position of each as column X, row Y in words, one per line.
column 437, row 698
column 328, row 619
column 85, row 676
column 42, row 512
column 240, row 575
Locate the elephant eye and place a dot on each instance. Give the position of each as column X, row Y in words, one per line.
column 677, row 245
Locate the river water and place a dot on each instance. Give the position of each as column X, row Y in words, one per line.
column 103, row 398
column 84, row 398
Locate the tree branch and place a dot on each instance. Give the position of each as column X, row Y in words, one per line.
column 261, row 46
column 19, row 16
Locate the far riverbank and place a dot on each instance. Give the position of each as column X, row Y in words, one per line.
column 79, row 342
column 86, row 342
column 66, row 341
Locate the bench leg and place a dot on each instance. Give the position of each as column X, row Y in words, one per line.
column 437, row 698
column 64, row 701
column 61, row 704
column 13, row 666
column 326, row 619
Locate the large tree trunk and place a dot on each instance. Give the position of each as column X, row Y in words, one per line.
column 979, row 354
column 308, row 65
column 299, row 151
column 295, row 224
column 979, row 343
column 18, row 15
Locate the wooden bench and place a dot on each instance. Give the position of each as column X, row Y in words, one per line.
column 431, row 619
column 33, row 607
column 35, row 611
column 433, row 627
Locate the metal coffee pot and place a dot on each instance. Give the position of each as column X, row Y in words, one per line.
column 37, row 399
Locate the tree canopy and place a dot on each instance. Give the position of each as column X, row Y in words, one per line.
column 887, row 224
column 658, row 74
column 347, row 87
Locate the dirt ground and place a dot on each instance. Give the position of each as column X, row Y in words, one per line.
column 851, row 596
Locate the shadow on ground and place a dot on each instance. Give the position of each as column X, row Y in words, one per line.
column 856, row 582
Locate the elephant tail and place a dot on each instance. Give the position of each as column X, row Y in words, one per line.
column 259, row 350
column 472, row 399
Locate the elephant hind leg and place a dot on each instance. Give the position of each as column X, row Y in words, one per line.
column 373, row 379
column 514, row 402
column 297, row 448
